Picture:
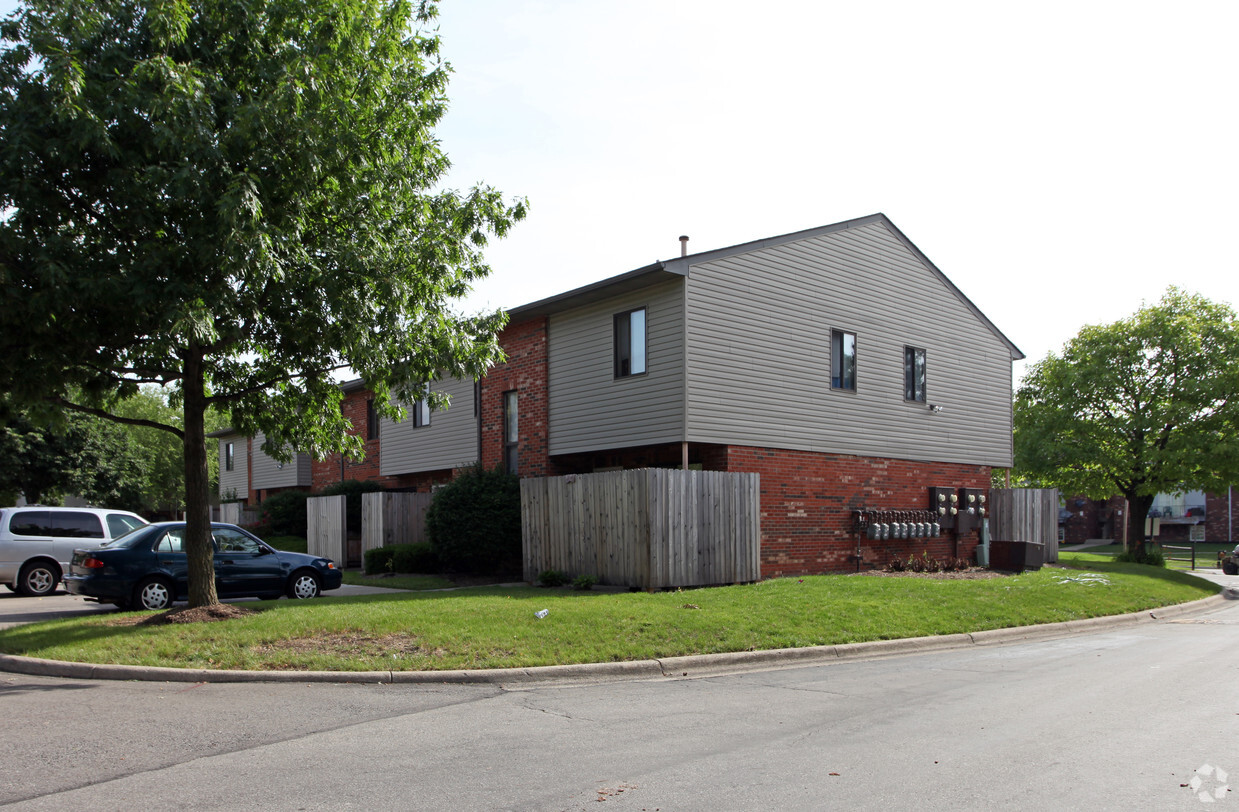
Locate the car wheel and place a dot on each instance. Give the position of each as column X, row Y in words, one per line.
column 1230, row 568
column 153, row 593
column 304, row 585
column 37, row 579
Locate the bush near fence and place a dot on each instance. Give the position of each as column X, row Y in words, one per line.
column 403, row 558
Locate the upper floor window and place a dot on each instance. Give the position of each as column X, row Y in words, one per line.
column 421, row 413
column 842, row 360
column 914, row 374
column 228, row 458
column 372, row 421
column 511, row 432
column 630, row 343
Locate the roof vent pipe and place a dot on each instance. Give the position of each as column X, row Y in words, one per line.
column 683, row 245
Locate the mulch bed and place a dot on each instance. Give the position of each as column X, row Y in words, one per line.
column 197, row 614
column 971, row 574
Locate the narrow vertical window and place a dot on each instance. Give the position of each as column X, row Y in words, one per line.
column 372, row 421
column 843, row 360
column 421, row 411
column 630, row 343
column 511, row 432
column 914, row 374
column 228, row 458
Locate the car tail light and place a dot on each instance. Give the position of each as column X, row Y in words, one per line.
column 91, row 563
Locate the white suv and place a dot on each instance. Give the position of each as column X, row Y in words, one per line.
column 36, row 543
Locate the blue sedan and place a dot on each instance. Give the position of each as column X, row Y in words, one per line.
column 148, row 569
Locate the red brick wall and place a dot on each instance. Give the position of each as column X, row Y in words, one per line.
column 1222, row 516
column 526, row 372
column 807, row 500
column 328, row 472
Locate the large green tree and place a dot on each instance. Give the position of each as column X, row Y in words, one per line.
column 232, row 199
column 161, row 453
column 79, row 456
column 1146, row 405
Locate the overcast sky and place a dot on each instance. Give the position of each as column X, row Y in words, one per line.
column 1060, row 162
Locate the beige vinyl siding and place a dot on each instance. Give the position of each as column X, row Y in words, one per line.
column 589, row 408
column 235, row 482
column 759, row 327
column 451, row 439
column 268, row 473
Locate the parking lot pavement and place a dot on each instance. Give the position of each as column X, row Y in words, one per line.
column 16, row 609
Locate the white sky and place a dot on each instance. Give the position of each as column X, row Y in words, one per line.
column 1060, row 162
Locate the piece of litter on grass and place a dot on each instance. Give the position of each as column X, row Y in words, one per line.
column 542, row 614
column 1088, row 579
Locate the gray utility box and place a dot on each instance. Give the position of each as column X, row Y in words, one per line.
column 1016, row 556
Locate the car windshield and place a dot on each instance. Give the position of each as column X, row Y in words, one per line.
column 116, row 541
column 135, row 538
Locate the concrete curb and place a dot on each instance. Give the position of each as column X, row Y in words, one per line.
column 695, row 665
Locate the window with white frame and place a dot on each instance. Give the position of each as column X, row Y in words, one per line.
column 843, row 360
column 914, row 374
column 630, row 343
column 421, row 411
column 511, row 432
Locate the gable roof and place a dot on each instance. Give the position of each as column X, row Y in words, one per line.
column 679, row 267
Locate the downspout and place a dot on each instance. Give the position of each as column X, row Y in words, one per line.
column 684, row 336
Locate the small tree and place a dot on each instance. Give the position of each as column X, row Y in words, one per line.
column 474, row 522
column 1146, row 405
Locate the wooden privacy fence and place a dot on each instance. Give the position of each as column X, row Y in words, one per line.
column 1026, row 514
column 392, row 518
column 651, row 528
column 233, row 513
column 326, row 528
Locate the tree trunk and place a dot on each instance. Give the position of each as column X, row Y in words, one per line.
column 198, row 545
column 1137, row 512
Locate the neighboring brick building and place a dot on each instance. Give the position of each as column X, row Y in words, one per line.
column 1208, row 517
column 838, row 362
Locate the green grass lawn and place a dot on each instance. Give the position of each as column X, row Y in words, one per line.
column 1206, row 555
column 495, row 627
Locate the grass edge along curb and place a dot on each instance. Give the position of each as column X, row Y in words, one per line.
column 692, row 665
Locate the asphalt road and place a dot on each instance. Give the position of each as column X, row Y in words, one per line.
column 1116, row 720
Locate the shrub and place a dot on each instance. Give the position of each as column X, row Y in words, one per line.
column 283, row 514
column 552, row 578
column 1154, row 558
column 584, row 583
column 352, row 490
column 474, row 522
column 418, row 558
column 380, row 559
